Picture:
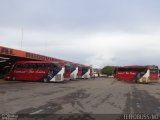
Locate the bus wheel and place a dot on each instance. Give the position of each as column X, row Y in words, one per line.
column 45, row 80
column 14, row 78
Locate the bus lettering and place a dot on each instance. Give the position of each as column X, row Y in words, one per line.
column 30, row 71
column 39, row 71
column 19, row 71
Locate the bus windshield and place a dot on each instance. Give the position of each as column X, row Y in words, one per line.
column 84, row 70
column 153, row 69
column 67, row 68
column 73, row 67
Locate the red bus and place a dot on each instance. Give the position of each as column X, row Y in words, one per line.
column 141, row 74
column 33, row 71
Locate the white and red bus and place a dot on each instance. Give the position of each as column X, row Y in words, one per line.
column 84, row 72
column 33, row 71
column 140, row 74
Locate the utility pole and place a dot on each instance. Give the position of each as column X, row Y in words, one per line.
column 21, row 36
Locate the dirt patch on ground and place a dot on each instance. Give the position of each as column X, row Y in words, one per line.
column 2, row 92
column 140, row 101
column 56, row 104
column 103, row 100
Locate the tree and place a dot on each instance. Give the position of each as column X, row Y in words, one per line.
column 107, row 70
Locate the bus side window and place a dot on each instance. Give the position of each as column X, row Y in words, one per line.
column 51, row 65
column 67, row 68
column 18, row 66
column 43, row 65
column 39, row 66
column 48, row 65
column 25, row 66
column 34, row 66
column 30, row 66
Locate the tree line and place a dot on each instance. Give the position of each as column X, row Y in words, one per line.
column 107, row 70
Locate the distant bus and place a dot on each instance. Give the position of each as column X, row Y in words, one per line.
column 33, row 71
column 86, row 72
column 138, row 74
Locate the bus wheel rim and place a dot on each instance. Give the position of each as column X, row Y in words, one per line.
column 45, row 80
column 13, row 78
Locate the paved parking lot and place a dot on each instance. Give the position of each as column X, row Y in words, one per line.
column 91, row 97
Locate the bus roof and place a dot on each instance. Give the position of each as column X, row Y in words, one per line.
column 133, row 66
column 136, row 66
column 24, row 62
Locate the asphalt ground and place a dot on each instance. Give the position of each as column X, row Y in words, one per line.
column 102, row 98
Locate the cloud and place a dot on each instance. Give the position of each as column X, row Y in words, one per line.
column 96, row 32
column 97, row 48
column 125, row 48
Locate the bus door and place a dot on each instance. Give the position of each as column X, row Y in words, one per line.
column 79, row 74
column 67, row 72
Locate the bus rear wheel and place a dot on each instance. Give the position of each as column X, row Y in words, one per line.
column 45, row 80
column 13, row 78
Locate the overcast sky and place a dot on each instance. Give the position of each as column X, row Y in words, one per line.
column 93, row 32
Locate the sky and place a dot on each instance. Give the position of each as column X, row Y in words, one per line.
column 92, row 32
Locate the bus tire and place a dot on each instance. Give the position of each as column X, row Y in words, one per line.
column 13, row 78
column 45, row 80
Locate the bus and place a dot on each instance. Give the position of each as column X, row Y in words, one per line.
column 33, row 71
column 137, row 74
